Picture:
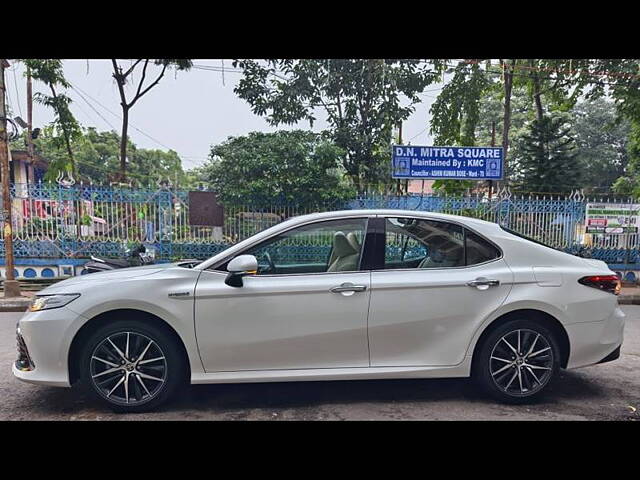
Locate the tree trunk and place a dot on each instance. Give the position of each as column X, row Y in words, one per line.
column 123, row 144
column 506, row 123
column 537, row 94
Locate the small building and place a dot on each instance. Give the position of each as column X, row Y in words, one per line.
column 23, row 170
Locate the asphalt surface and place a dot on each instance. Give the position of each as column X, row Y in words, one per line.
column 608, row 391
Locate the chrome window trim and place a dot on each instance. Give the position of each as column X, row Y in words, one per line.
column 310, row 222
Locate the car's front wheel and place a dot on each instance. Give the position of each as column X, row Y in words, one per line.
column 131, row 366
column 517, row 361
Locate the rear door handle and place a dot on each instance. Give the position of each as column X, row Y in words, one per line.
column 348, row 287
column 483, row 283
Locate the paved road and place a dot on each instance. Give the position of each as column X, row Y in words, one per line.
column 606, row 392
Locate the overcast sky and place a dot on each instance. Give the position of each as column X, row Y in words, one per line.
column 187, row 112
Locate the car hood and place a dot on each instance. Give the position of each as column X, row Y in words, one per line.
column 91, row 279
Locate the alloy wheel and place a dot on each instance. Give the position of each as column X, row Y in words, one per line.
column 128, row 368
column 521, row 362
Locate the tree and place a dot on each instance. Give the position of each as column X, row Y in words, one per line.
column 455, row 116
column 557, row 82
column 122, row 77
column 362, row 100
column 65, row 129
column 620, row 79
column 601, row 144
column 548, row 162
column 629, row 183
column 297, row 167
column 158, row 165
column 97, row 158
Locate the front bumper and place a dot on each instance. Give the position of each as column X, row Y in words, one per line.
column 23, row 362
column 595, row 342
column 45, row 337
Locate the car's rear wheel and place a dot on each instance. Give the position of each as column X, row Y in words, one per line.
column 131, row 366
column 517, row 361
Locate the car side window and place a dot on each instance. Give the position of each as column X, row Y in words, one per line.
column 331, row 246
column 400, row 247
column 418, row 243
column 478, row 249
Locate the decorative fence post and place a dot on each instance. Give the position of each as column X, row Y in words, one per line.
column 165, row 224
column 504, row 206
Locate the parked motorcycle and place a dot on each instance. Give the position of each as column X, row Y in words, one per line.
column 134, row 258
column 137, row 257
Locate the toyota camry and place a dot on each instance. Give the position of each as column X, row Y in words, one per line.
column 349, row 295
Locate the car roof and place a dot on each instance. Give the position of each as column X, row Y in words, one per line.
column 390, row 212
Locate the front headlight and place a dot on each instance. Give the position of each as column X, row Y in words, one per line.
column 47, row 302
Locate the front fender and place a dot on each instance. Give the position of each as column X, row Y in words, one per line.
column 150, row 294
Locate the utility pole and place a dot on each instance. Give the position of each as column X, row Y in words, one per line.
column 11, row 286
column 30, row 149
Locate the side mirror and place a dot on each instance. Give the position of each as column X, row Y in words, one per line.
column 239, row 267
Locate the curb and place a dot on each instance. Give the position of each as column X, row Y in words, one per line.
column 14, row 305
column 629, row 299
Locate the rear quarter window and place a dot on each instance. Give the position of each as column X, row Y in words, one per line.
column 479, row 250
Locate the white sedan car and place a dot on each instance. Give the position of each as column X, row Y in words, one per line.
column 369, row 294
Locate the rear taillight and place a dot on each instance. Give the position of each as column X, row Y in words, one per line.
column 607, row 283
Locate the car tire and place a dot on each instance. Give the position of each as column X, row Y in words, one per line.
column 512, row 373
column 131, row 366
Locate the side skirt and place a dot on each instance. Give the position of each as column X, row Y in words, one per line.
column 319, row 374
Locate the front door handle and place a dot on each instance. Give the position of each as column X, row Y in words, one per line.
column 348, row 287
column 482, row 283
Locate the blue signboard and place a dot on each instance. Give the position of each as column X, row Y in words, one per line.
column 442, row 163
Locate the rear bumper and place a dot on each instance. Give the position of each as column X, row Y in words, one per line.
column 596, row 342
column 612, row 356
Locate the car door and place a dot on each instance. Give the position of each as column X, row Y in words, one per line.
column 305, row 308
column 428, row 300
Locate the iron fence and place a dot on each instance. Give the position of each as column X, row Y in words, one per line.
column 52, row 221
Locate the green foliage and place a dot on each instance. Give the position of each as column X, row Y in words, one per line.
column 602, row 144
column 456, row 111
column 97, row 159
column 455, row 116
column 548, row 162
column 622, row 83
column 295, row 167
column 475, row 97
column 64, row 129
column 361, row 99
column 629, row 183
column 601, row 138
column 491, row 110
column 453, row 187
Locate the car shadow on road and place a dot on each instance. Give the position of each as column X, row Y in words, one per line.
column 231, row 400
column 285, row 395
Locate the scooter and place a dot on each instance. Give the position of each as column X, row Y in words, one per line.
column 135, row 258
